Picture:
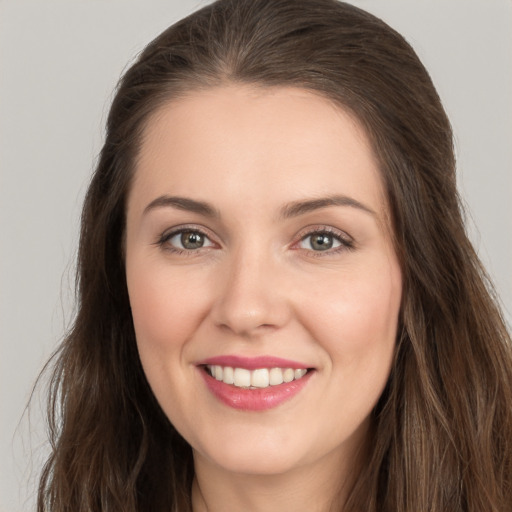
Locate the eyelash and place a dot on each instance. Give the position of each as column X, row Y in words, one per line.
column 166, row 236
column 345, row 242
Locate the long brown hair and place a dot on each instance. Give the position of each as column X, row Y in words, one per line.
column 443, row 427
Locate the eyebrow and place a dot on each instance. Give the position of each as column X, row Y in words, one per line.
column 293, row 209
column 301, row 207
column 183, row 203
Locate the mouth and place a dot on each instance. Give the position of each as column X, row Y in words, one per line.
column 260, row 378
column 254, row 384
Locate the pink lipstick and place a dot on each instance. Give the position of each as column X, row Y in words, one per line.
column 253, row 363
column 254, row 384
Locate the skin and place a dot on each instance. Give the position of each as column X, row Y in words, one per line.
column 258, row 287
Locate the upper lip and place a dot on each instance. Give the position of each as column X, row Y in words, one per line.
column 253, row 363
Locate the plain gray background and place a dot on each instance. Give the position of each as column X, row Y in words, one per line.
column 60, row 61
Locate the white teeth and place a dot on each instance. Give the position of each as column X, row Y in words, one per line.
column 229, row 377
column 300, row 373
column 276, row 376
column 217, row 372
column 242, row 378
column 260, row 378
column 288, row 375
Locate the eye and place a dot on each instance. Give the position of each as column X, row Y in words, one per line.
column 186, row 240
column 323, row 241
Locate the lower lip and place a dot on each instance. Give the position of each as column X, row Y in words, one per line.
column 254, row 399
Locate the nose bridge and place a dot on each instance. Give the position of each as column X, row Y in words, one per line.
column 249, row 295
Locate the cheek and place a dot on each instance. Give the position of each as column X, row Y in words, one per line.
column 357, row 320
column 165, row 309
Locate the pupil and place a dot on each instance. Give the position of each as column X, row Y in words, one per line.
column 321, row 242
column 192, row 240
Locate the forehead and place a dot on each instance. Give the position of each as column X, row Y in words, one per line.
column 276, row 142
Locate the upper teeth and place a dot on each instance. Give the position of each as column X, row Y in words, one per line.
column 260, row 378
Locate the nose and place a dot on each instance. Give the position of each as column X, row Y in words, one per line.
column 252, row 296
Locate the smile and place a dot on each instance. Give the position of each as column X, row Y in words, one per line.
column 259, row 378
column 256, row 383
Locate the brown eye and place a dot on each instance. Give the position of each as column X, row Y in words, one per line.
column 187, row 240
column 192, row 240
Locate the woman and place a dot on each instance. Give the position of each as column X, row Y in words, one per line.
column 279, row 307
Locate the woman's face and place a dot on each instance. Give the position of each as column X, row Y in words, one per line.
column 264, row 287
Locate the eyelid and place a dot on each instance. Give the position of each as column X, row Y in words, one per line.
column 168, row 234
column 346, row 241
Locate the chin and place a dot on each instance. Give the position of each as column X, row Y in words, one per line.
column 247, row 455
column 258, row 464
